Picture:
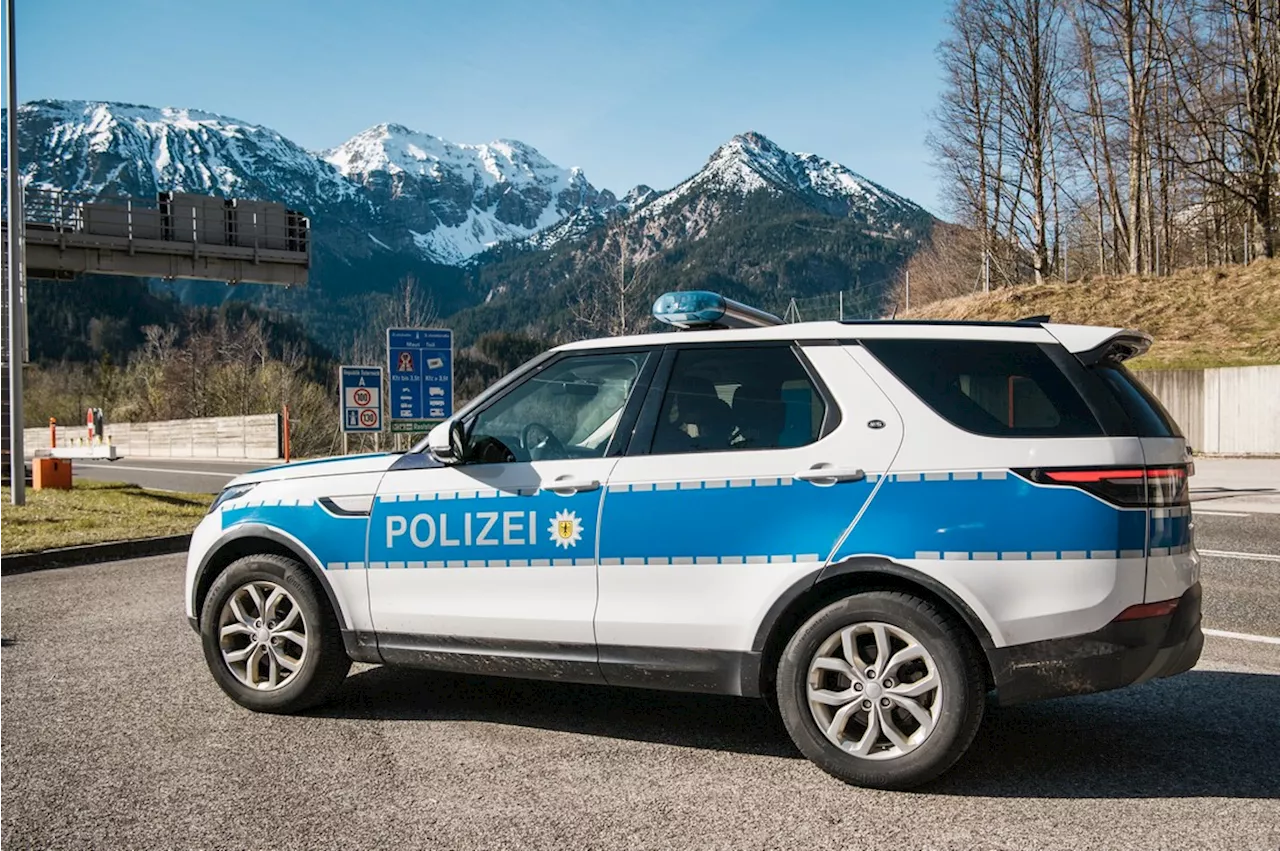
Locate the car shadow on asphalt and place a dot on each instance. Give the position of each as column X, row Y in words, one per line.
column 688, row 720
column 1200, row 734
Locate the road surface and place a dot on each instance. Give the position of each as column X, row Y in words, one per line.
column 189, row 475
column 115, row 736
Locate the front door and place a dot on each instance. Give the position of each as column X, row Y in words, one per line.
column 497, row 554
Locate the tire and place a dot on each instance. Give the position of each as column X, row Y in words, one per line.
column 929, row 738
column 238, row 596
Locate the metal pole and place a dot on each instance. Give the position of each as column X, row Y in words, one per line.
column 908, row 289
column 17, row 311
column 986, row 271
column 842, row 305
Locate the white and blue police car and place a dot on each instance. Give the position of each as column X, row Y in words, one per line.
column 869, row 524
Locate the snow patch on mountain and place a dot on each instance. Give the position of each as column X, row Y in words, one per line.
column 483, row 194
column 395, row 149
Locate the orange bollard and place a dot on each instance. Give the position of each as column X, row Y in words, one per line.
column 286, row 434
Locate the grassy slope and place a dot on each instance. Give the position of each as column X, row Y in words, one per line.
column 96, row 512
column 1228, row 316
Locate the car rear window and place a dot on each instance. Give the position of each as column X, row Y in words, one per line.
column 990, row 387
column 1150, row 418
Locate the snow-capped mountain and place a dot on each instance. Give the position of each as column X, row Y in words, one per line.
column 463, row 199
column 386, row 189
column 750, row 163
column 758, row 222
column 118, row 148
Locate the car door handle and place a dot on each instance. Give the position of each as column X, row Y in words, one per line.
column 824, row 473
column 568, row 484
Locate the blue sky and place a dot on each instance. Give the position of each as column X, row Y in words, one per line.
column 633, row 91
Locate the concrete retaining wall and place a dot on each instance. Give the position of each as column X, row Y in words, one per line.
column 1227, row 411
column 256, row 436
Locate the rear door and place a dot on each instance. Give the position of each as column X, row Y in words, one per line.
column 749, row 464
column 1171, row 562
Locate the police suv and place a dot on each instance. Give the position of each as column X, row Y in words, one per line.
column 869, row 524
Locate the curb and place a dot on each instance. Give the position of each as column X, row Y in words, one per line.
column 92, row 553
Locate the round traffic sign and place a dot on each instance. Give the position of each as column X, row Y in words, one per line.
column 368, row 418
column 362, row 396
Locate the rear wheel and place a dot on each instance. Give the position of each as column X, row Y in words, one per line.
column 881, row 689
column 270, row 638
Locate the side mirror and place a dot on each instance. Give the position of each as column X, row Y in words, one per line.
column 447, row 442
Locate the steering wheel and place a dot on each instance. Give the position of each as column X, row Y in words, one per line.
column 549, row 444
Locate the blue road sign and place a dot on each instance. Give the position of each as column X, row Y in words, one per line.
column 420, row 365
column 361, row 398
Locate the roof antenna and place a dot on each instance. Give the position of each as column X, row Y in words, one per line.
column 895, row 313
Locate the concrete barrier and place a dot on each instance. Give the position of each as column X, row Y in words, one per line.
column 1227, row 411
column 256, row 436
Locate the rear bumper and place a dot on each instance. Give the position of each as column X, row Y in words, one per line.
column 1121, row 653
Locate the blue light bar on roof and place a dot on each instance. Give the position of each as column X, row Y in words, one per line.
column 701, row 309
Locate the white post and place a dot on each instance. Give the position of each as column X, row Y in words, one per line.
column 17, row 309
column 986, row 271
column 908, row 289
column 842, row 305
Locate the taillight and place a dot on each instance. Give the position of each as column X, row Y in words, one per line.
column 1135, row 487
column 1148, row 610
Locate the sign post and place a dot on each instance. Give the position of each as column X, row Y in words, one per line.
column 361, row 388
column 420, row 369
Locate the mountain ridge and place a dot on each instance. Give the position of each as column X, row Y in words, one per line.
column 481, row 223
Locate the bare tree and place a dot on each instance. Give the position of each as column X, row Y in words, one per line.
column 609, row 299
column 408, row 305
column 1225, row 60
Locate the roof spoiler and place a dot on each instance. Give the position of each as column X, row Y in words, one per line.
column 1120, row 346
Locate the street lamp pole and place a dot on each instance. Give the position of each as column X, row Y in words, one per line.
column 17, row 310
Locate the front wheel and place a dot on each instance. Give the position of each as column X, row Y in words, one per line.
column 881, row 689
column 270, row 639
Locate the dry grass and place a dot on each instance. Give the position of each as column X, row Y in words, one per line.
column 1228, row 316
column 94, row 513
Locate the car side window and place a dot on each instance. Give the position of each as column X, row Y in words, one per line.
column 570, row 409
column 743, row 397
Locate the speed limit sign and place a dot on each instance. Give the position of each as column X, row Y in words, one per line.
column 361, row 398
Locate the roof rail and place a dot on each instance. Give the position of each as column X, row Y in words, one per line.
column 1034, row 320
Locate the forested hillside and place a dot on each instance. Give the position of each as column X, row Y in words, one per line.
column 1085, row 137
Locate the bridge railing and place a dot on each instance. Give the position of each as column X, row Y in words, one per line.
column 180, row 217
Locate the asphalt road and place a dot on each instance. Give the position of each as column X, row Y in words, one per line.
column 189, row 475
column 114, row 735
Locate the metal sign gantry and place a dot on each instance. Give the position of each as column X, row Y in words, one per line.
column 174, row 235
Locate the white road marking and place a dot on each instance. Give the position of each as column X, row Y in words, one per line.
column 1242, row 636
column 1223, row 513
column 229, row 475
column 1242, row 556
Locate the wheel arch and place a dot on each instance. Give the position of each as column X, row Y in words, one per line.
column 257, row 539
column 851, row 576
